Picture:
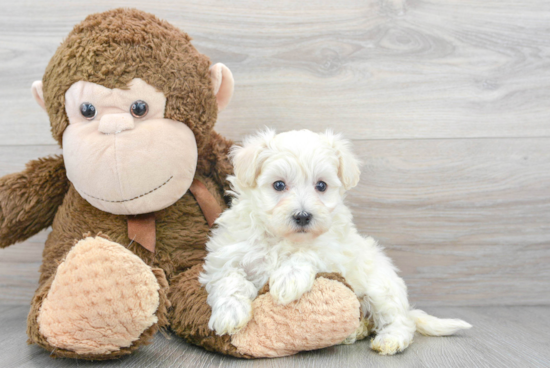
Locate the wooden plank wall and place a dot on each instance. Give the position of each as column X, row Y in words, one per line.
column 446, row 103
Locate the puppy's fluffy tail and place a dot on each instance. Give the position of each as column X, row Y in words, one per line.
column 433, row 326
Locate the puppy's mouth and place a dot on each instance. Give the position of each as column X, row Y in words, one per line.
column 297, row 233
column 305, row 232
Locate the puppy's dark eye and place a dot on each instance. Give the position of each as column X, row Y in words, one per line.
column 139, row 109
column 88, row 110
column 321, row 186
column 279, row 186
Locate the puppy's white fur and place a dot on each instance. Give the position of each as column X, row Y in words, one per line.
column 258, row 241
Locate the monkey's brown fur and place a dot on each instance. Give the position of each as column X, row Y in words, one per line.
column 102, row 50
column 29, row 200
column 98, row 51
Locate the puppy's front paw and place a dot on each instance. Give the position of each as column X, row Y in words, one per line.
column 389, row 343
column 230, row 315
column 288, row 284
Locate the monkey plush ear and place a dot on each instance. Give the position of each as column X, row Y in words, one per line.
column 348, row 170
column 38, row 94
column 222, row 81
column 249, row 158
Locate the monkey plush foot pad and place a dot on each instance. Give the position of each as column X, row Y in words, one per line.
column 102, row 299
column 323, row 317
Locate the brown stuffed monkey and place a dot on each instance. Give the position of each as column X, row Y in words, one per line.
column 142, row 178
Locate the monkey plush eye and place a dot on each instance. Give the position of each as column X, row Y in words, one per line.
column 139, row 109
column 88, row 110
column 321, row 186
column 279, row 186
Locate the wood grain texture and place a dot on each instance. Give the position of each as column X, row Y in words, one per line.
column 446, row 102
column 19, row 266
column 373, row 69
column 456, row 192
column 501, row 337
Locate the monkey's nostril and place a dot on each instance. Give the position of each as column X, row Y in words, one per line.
column 302, row 218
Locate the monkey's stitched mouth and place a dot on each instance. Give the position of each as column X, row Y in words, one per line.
column 131, row 199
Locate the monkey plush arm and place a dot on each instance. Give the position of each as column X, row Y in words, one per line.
column 215, row 162
column 29, row 199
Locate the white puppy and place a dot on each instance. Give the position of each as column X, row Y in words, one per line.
column 288, row 222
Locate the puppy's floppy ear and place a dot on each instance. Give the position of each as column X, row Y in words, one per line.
column 248, row 159
column 348, row 170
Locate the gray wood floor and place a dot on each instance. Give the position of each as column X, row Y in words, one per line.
column 502, row 337
column 446, row 102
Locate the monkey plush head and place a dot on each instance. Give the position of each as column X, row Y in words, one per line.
column 132, row 103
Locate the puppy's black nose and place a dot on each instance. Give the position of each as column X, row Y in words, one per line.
column 302, row 218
